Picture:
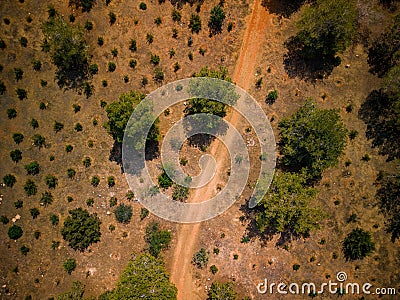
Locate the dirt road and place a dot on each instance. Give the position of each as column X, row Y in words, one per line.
column 254, row 37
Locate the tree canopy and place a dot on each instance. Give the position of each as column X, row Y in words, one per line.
column 220, row 291
column 312, row 139
column 68, row 51
column 287, row 207
column 144, row 277
column 81, row 229
column 217, row 17
column 358, row 244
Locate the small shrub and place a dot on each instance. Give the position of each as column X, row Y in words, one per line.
column 71, row 18
column 132, row 63
column 158, row 21
column 144, row 81
column 16, row 155
column 349, row 108
column 202, row 51
column 46, row 199
column 271, row 97
column 21, row 93
column 55, row 245
column 4, row 220
column 90, row 202
column 18, row 204
column 235, row 256
column 111, row 181
column 71, row 173
column 171, row 53
column 214, row 269
column 87, row 162
column 230, row 27
column 6, row 21
column 104, row 83
column 126, row 78
column 34, row 212
column 175, row 33
column 200, row 258
column 164, row 181
column 103, row 103
column 15, row 232
column 113, row 201
column 69, row 148
column 133, row 45
column 358, row 244
column 32, row 168
column 11, row 113
column 176, row 15
column 36, row 64
column 157, row 239
column 144, row 212
column 259, row 83
column 95, row 181
column 114, row 52
column 149, row 38
column 335, row 255
column 69, row 265
column 57, row 127
column 9, row 180
column 90, row 144
column 18, row 74
column 52, row 157
column 42, row 106
column 111, row 66
column 2, row 44
column 190, row 56
column 30, row 187
column 347, row 163
column 51, row 181
column 36, row 234
column 112, row 17
column 143, row 6
column 52, row 12
column 123, row 213
column 24, row 250
column 88, row 25
column 3, row 88
column 39, row 141
column 100, row 41
column 353, row 134
column 296, row 267
column 154, row 59
column 158, row 75
column 54, row 219
column 43, row 83
column 23, row 41
column 216, row 251
column 176, row 67
column 93, row 69
column 195, row 23
column 95, row 122
column 111, row 227
column 70, row 199
column 366, row 157
column 130, row 195
column 34, row 123
column 78, row 127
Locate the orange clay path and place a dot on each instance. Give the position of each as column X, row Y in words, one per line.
column 253, row 40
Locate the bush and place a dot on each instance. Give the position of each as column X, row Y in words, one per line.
column 130, row 195
column 272, row 96
column 132, row 45
column 94, row 69
column 4, row 220
column 222, row 291
column 34, row 123
column 353, row 134
column 16, row 155
column 296, row 267
column 114, row 52
column 112, row 17
column 87, row 162
column 51, row 181
column 110, row 181
column 3, row 88
column 88, row 25
column 81, row 229
column 18, row 138
column 54, row 219
column 176, row 15
column 9, row 180
column 34, row 212
column 32, row 168
column 175, row 33
column 143, row 6
column 164, row 181
column 58, row 126
column 200, row 258
column 123, row 213
column 30, row 187
column 71, row 173
column 69, row 148
column 195, row 23
column 69, row 265
column 18, row 204
column 144, row 212
column 217, row 17
column 23, row 41
column 15, row 232
column 46, row 199
column 100, row 41
column 38, row 141
column 154, row 59
column 95, row 181
column 157, row 239
column 2, row 44
column 113, row 201
column 158, row 75
column 18, row 74
column 132, row 63
column 358, row 244
column 78, row 127
column 21, row 93
column 36, row 234
column 111, row 66
column 180, row 193
column 176, row 67
column 158, row 21
column 213, row 269
column 11, row 113
column 36, row 64
column 24, row 250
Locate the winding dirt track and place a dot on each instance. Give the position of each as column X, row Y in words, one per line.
column 253, row 40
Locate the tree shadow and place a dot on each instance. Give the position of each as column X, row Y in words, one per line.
column 283, row 8
column 303, row 62
column 381, row 129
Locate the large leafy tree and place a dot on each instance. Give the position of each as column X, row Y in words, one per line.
column 119, row 113
column 312, row 139
column 389, row 202
column 68, row 51
column 219, row 291
column 326, row 28
column 145, row 277
column 358, row 244
column 81, row 229
column 287, row 207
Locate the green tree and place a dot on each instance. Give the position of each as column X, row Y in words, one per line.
column 81, row 229
column 18, row 138
column 286, row 208
column 195, row 23
column 219, row 291
column 38, row 141
column 312, row 139
column 68, row 51
column 146, row 276
column 46, row 199
column 9, row 180
column 123, row 213
column 30, row 187
column 76, row 292
column 69, row 265
column 15, row 232
column 32, row 168
column 217, row 17
column 164, row 181
column 200, row 258
column 157, row 239
column 326, row 28
column 358, row 244
column 51, row 181
column 16, row 155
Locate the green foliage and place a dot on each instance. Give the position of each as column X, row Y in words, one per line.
column 327, row 27
column 113, row 201
column 71, row 173
column 24, row 250
column 18, row 204
column 110, row 181
column 21, row 93
column 51, row 181
column 111, row 66
column 76, row 292
column 47, row 198
column 18, row 74
column 146, row 276
column 154, row 59
column 32, row 168
column 272, row 96
column 94, row 69
column 296, row 267
column 164, row 181
column 213, row 269
column 11, row 113
column 36, row 234
column 143, row 6
column 180, row 192
column 112, row 17
column 34, row 123
column 68, row 51
column 86, row 5
column 30, row 187
column 23, row 41
column 388, row 195
column 358, row 244
column 69, row 148
column 36, row 64
column 16, row 155
column 3, row 88
column 18, row 138
column 195, row 23
column 312, row 139
column 123, row 213
column 34, row 212
column 286, row 208
column 95, row 181
column 158, row 75
column 132, row 63
column 157, row 239
column 9, row 180
column 176, row 15
column 58, row 126
column 15, row 232
column 81, row 229
column 130, row 195
column 69, row 265
column 149, row 38
column 158, row 21
column 54, row 219
column 87, row 162
column 133, row 45
column 200, row 258
column 222, row 291
column 217, row 17
column 4, row 220
column 38, row 141
column 144, row 212
column 114, row 52
column 88, row 25
column 100, row 41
